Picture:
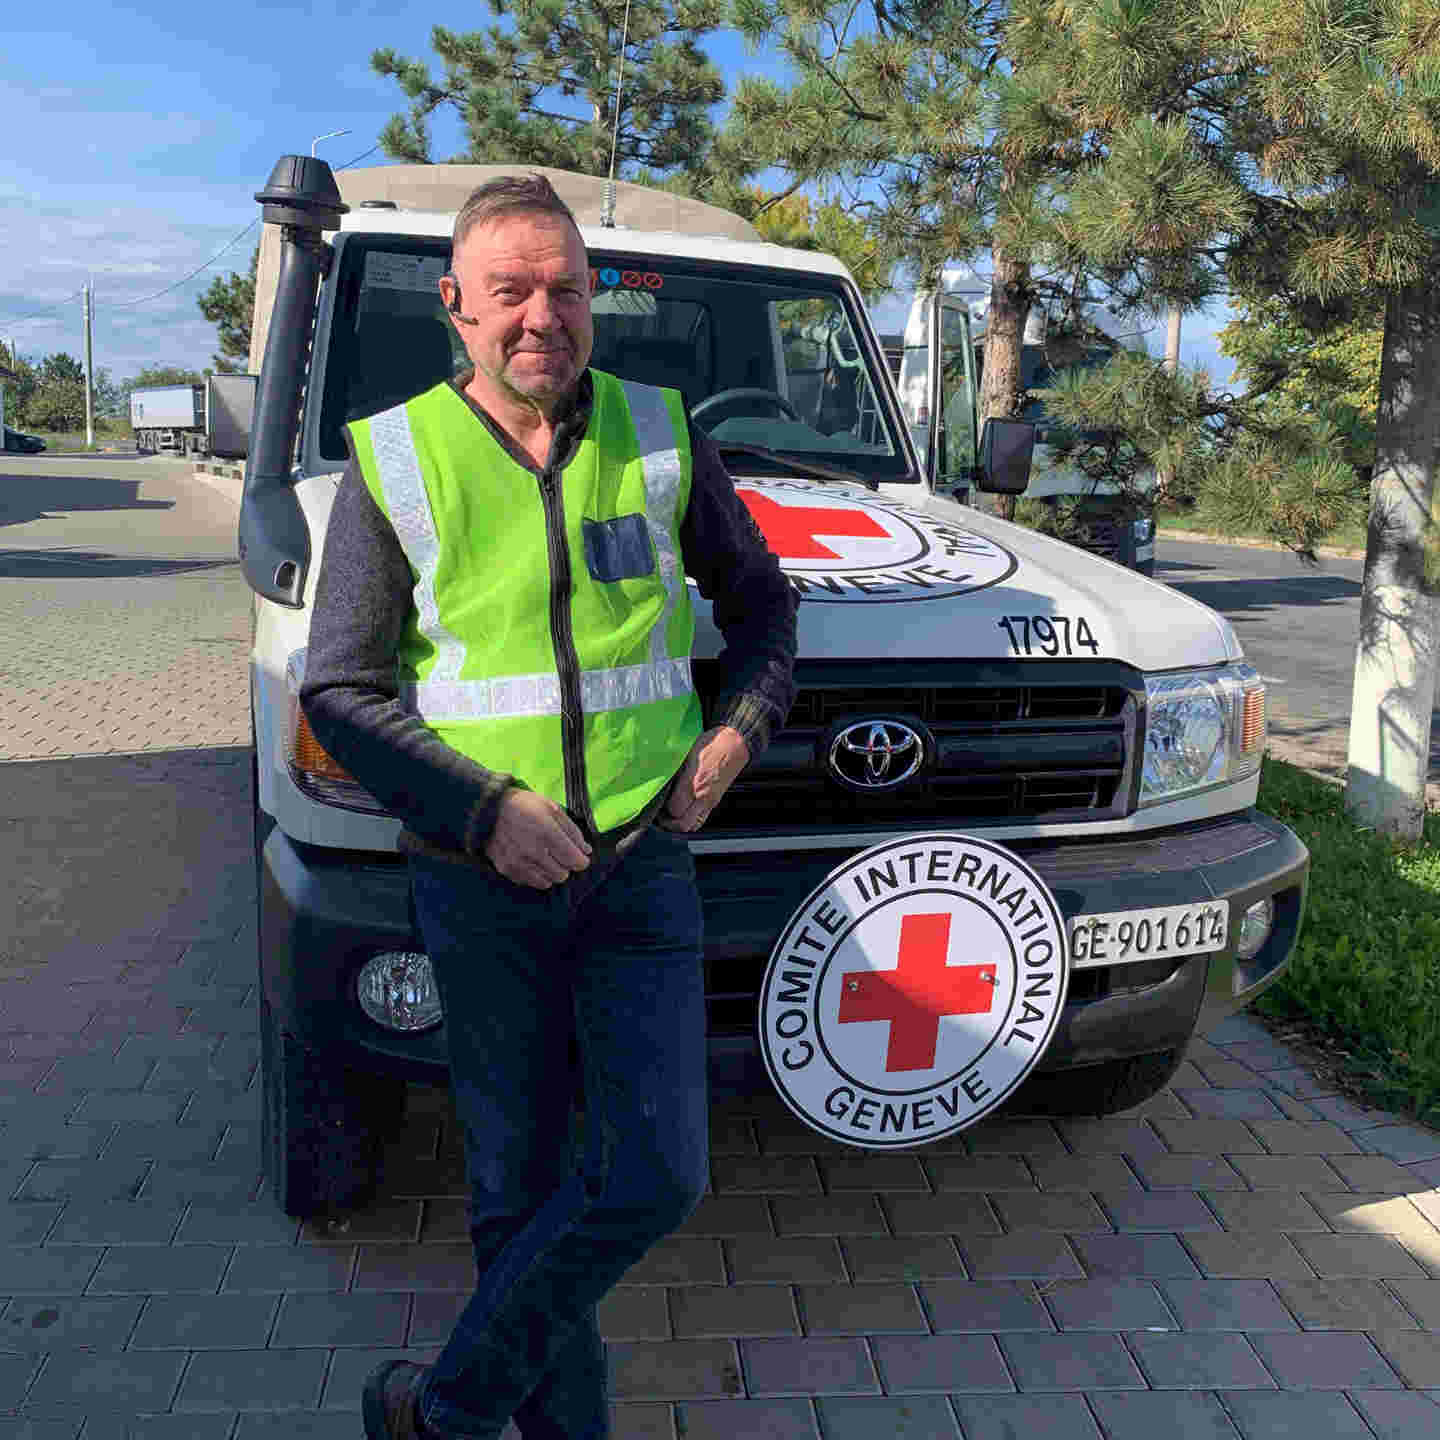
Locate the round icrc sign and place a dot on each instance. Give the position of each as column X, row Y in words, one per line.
column 913, row 990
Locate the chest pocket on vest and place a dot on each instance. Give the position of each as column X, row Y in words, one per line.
column 618, row 549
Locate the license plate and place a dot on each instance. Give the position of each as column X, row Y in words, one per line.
column 1121, row 937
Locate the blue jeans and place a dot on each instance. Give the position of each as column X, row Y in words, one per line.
column 606, row 967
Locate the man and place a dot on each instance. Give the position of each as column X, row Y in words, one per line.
column 499, row 652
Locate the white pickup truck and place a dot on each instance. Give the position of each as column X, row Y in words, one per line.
column 1098, row 725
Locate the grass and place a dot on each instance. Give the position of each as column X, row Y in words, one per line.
column 1350, row 537
column 1365, row 975
column 75, row 439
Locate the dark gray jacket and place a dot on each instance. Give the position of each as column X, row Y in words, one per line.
column 363, row 595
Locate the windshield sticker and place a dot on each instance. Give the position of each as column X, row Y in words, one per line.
column 420, row 273
column 608, row 278
column 843, row 548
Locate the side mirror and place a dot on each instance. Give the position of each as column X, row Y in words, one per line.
column 1006, row 450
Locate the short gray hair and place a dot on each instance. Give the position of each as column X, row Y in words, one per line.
column 509, row 195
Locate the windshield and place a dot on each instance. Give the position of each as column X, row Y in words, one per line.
column 762, row 357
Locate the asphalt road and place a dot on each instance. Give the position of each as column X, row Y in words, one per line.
column 1299, row 625
column 124, row 626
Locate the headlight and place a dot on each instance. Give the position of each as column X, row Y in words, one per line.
column 1202, row 728
column 311, row 767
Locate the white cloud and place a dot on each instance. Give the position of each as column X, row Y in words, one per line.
column 46, row 254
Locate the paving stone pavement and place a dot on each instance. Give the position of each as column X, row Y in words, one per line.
column 1228, row 1260
column 128, row 570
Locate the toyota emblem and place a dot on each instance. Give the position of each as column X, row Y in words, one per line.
column 876, row 754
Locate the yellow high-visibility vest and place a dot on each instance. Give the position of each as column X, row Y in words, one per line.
column 551, row 628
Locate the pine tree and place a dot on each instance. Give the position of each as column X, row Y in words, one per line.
column 1162, row 151
column 888, row 112
column 1331, row 374
column 1300, row 163
column 793, row 220
column 539, row 88
column 230, row 304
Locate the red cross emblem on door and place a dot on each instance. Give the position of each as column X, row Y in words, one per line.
column 792, row 530
column 917, row 992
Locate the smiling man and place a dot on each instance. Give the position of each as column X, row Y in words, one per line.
column 531, row 334
column 499, row 651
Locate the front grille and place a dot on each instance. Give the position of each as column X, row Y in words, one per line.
column 1107, row 541
column 1025, row 748
column 820, row 705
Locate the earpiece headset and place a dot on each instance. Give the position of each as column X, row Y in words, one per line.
column 454, row 306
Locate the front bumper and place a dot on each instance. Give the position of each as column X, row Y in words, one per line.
column 325, row 912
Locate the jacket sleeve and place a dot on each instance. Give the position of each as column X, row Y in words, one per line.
column 752, row 602
column 351, row 695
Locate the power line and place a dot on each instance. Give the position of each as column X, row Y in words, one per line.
column 359, row 158
column 49, row 310
column 145, row 299
column 128, row 304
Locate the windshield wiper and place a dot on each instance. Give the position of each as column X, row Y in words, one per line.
column 805, row 467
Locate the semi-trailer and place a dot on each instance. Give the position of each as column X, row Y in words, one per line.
column 206, row 418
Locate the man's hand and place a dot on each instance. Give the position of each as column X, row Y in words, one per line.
column 715, row 759
column 535, row 842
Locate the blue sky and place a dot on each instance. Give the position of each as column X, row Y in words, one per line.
column 140, row 133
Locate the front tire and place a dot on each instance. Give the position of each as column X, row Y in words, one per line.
column 321, row 1126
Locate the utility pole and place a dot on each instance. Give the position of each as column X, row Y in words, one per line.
column 89, row 375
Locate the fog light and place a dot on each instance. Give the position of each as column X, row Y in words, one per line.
column 397, row 990
column 1255, row 926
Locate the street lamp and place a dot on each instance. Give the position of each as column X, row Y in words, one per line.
column 332, row 134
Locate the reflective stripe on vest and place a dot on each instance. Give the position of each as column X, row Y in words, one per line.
column 442, row 696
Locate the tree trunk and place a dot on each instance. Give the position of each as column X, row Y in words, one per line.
column 1002, row 383
column 1395, row 661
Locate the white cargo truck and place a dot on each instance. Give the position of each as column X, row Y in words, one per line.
column 957, row 676
column 167, row 417
column 207, row 418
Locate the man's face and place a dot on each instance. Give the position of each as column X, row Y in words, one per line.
column 525, row 280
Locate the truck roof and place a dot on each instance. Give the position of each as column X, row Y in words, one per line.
column 663, row 243
column 443, row 189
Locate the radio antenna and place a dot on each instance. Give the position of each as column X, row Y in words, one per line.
column 607, row 214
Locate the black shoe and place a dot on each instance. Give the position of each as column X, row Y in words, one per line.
column 389, row 1404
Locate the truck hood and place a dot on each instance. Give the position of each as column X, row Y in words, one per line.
column 927, row 578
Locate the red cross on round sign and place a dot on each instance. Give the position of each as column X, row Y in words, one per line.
column 913, row 991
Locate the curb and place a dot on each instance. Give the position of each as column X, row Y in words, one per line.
column 229, row 480
column 1202, row 537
